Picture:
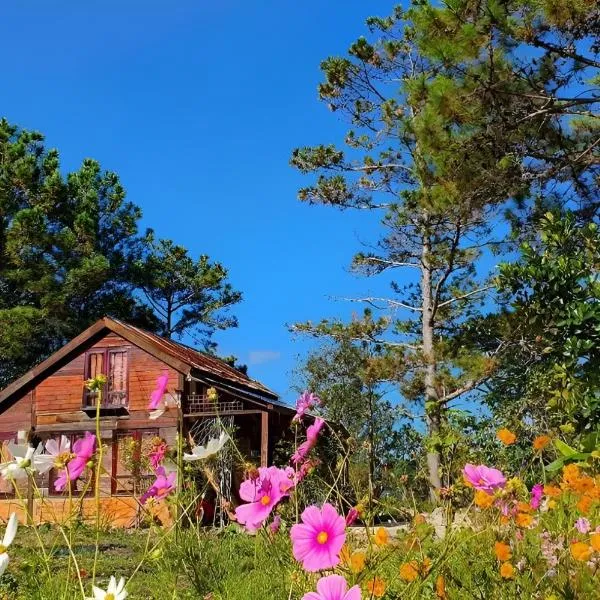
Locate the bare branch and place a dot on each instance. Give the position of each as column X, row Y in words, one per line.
column 372, row 300
column 370, row 168
column 467, row 387
column 463, row 296
column 391, row 263
column 565, row 53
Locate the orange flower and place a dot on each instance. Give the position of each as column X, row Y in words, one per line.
column 507, row 571
column 523, row 520
column 376, row 587
column 540, row 442
column 581, row 551
column 425, row 566
column 381, row 537
column 345, row 555
column 504, row 519
column 524, row 507
column 552, row 491
column 502, row 551
column 420, row 519
column 584, row 484
column 440, row 587
column 357, row 561
column 570, row 475
column 409, row 571
column 584, row 504
column 483, row 500
column 595, row 541
column 506, row 436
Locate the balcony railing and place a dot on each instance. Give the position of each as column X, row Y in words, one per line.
column 110, row 400
column 199, row 403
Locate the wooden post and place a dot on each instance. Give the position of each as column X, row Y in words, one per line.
column 30, row 506
column 264, row 438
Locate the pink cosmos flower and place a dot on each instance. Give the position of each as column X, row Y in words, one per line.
column 157, row 454
column 351, row 517
column 318, row 540
column 312, row 435
column 275, row 524
column 163, row 485
column 263, row 494
column 583, row 525
column 159, row 390
column 305, row 468
column 507, row 508
column 333, row 587
column 83, row 449
column 305, row 402
column 537, row 491
column 484, row 478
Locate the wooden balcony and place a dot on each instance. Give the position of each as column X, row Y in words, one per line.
column 113, row 400
column 199, row 404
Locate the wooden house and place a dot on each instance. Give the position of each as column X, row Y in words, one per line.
column 51, row 400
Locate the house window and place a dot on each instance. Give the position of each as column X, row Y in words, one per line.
column 112, row 363
column 132, row 472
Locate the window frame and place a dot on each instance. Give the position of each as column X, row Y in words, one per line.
column 106, row 354
column 138, row 436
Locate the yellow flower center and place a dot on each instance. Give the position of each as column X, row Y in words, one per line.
column 62, row 459
column 2, row 549
column 109, row 597
column 322, row 537
column 265, row 500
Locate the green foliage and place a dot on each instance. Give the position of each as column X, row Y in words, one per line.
column 66, row 243
column 462, row 114
column 188, row 296
column 551, row 365
column 70, row 253
column 347, row 377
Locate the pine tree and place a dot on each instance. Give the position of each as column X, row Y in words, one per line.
column 452, row 125
column 66, row 244
column 187, row 296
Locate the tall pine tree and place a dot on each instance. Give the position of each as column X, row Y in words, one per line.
column 450, row 122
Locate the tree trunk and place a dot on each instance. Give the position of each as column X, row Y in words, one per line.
column 169, row 319
column 432, row 407
column 371, row 450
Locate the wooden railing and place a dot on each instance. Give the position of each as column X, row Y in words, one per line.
column 199, row 403
column 113, row 399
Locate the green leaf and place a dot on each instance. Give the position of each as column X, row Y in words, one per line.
column 564, row 449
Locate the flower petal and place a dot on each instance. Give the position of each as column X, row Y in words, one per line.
column 333, row 587
column 4, row 560
column 11, row 530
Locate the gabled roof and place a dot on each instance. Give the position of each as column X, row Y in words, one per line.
column 185, row 360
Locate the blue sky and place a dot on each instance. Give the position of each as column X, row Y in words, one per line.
column 197, row 105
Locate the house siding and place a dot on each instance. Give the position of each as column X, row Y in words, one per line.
column 57, row 400
column 18, row 417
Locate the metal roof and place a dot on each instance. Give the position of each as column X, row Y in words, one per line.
column 201, row 361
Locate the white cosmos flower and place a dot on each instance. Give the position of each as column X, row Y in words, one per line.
column 213, row 446
column 9, row 536
column 25, row 460
column 57, row 454
column 114, row 591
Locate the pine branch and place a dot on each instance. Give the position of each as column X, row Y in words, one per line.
column 565, row 53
